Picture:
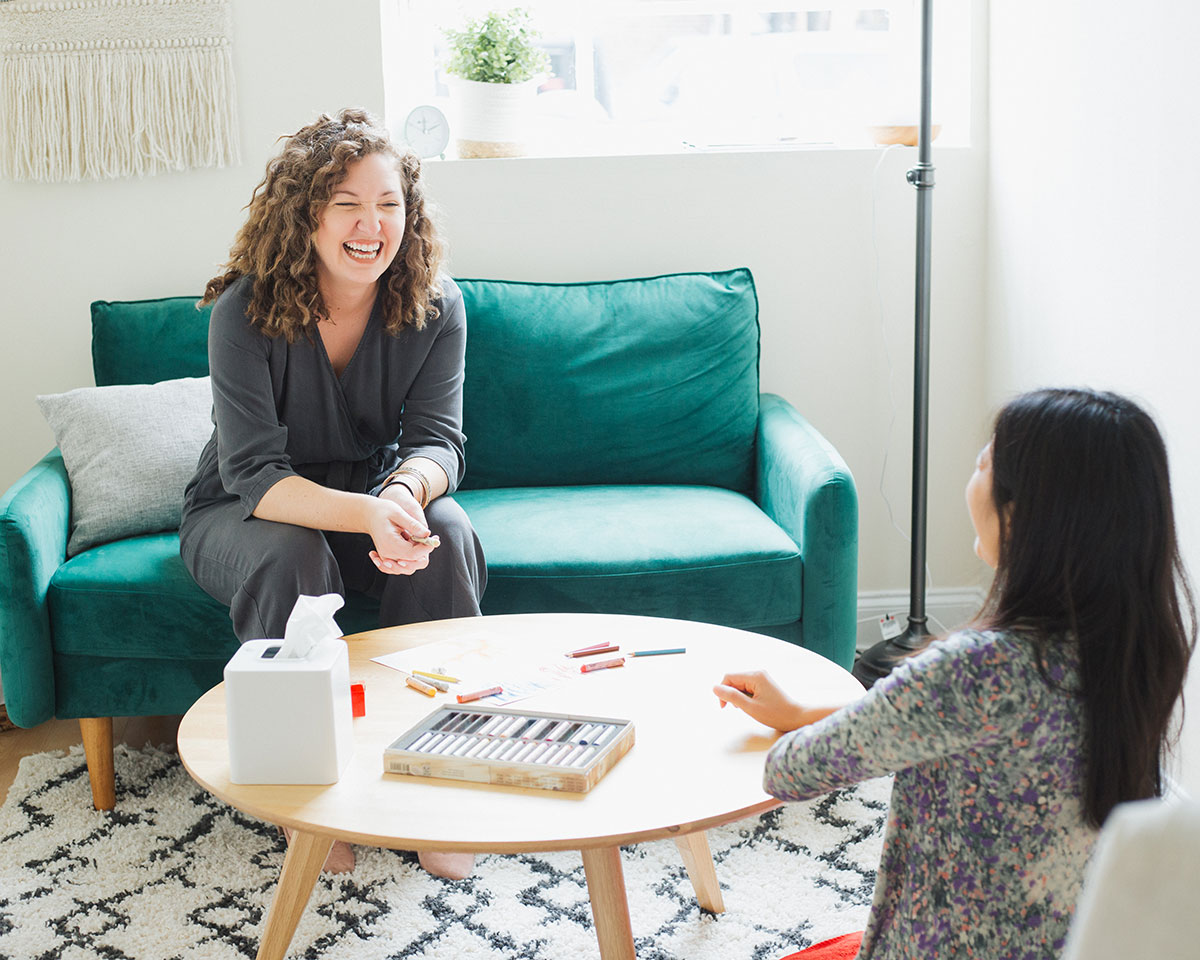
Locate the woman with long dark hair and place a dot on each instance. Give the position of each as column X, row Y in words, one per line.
column 1011, row 741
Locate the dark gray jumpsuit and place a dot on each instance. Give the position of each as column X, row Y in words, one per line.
column 280, row 410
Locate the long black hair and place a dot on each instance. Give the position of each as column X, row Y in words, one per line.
column 1088, row 555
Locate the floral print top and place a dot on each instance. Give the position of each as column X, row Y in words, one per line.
column 986, row 840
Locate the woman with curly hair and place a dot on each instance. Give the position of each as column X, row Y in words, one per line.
column 336, row 352
column 1012, row 740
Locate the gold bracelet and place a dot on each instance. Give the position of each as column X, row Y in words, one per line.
column 423, row 499
column 393, row 480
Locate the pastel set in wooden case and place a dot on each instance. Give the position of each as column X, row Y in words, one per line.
column 519, row 748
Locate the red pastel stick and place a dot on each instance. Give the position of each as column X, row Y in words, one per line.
column 602, row 665
column 358, row 700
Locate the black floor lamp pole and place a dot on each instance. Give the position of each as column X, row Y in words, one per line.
column 879, row 660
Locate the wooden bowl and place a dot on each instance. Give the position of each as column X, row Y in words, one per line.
column 906, row 135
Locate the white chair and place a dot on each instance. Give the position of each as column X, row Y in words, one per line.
column 1141, row 896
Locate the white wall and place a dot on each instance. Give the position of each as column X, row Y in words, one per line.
column 801, row 220
column 68, row 244
column 1092, row 209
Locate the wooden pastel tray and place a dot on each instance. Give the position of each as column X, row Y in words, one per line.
column 520, row 748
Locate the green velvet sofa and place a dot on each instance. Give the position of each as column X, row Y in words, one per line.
column 620, row 459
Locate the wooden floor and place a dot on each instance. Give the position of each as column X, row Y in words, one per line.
column 61, row 734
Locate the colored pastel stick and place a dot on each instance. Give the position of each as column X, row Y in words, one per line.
column 584, row 651
column 478, row 694
column 436, row 676
column 602, row 665
column 592, row 651
column 420, row 685
column 422, row 740
column 657, row 653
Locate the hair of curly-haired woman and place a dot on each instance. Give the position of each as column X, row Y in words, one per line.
column 275, row 245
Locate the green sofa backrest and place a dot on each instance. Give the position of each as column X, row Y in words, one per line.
column 630, row 381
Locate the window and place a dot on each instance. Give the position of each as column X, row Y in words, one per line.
column 652, row 76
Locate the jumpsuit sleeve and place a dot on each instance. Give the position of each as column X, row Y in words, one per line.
column 251, row 442
column 957, row 694
column 431, row 421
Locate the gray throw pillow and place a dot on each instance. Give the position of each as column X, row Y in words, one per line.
column 129, row 452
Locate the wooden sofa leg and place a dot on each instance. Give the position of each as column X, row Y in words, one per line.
column 98, row 747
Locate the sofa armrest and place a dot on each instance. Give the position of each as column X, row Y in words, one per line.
column 35, row 520
column 805, row 486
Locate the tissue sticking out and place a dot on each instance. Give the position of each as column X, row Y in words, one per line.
column 310, row 622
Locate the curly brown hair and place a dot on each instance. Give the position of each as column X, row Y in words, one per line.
column 275, row 244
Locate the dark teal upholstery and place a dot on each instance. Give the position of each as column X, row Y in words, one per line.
column 620, row 459
column 144, row 341
column 690, row 553
column 635, row 381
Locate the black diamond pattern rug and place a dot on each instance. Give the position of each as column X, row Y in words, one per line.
column 174, row 874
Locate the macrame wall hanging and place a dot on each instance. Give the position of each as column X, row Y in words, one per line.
column 91, row 89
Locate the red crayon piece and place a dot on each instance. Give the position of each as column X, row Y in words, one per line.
column 602, row 665
column 478, row 694
column 358, row 700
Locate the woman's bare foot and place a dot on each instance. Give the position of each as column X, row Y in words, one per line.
column 340, row 858
column 452, row 866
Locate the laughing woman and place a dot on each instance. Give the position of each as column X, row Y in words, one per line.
column 1013, row 740
column 336, row 352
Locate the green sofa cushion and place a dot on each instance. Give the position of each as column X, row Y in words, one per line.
column 690, row 553
column 581, row 549
column 128, row 599
column 145, row 341
column 631, row 381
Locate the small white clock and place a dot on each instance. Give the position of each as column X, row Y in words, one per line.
column 426, row 131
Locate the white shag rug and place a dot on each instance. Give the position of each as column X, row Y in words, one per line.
column 174, row 874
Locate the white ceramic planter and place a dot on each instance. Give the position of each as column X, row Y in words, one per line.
column 492, row 119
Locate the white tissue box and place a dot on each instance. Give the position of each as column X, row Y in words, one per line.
column 289, row 718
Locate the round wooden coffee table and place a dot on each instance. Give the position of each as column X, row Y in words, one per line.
column 693, row 765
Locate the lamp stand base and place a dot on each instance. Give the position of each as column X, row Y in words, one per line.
column 878, row 661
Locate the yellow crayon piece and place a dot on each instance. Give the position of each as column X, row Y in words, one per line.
column 435, row 676
column 421, row 685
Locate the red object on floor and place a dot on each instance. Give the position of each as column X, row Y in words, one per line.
column 358, row 700
column 844, row 947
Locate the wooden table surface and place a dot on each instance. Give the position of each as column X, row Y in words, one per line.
column 693, row 765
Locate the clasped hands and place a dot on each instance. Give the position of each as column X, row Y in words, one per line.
column 395, row 523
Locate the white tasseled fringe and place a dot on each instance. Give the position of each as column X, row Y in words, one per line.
column 81, row 109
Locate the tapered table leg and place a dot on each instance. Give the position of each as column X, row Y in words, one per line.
column 697, row 858
column 610, row 908
column 301, row 866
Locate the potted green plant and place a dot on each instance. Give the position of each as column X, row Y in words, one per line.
column 495, row 66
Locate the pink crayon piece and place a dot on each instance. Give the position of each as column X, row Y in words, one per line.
column 479, row 694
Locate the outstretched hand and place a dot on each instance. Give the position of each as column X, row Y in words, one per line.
column 758, row 695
